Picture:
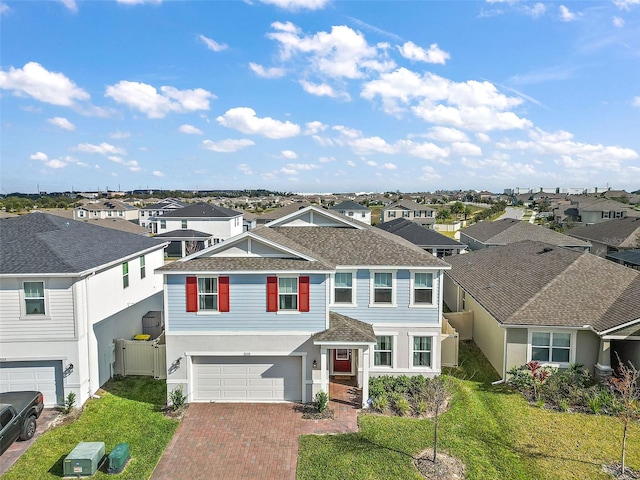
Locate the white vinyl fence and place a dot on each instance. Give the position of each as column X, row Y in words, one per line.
column 147, row 358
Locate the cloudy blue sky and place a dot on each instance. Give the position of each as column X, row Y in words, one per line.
column 319, row 95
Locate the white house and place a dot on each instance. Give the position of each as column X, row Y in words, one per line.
column 67, row 290
column 93, row 209
column 353, row 210
column 146, row 213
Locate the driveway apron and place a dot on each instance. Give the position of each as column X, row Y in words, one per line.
column 243, row 441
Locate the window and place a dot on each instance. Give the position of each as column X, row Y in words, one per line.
column 382, row 288
column 143, row 268
column 125, row 274
column 392, row 214
column 163, row 224
column 364, row 214
column 406, row 214
column 81, row 213
column 351, row 214
column 287, row 294
column 422, row 351
column 342, row 354
column 207, row 294
column 109, row 213
column 554, row 347
column 464, row 300
column 343, row 288
column 34, row 298
column 417, row 213
column 382, row 355
column 121, row 213
column 183, row 224
column 423, row 288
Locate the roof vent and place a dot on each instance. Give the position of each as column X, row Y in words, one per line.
column 545, row 250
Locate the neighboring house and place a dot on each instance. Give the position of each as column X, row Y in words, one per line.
column 249, row 220
column 218, row 223
column 610, row 236
column 353, row 210
column 587, row 209
column 280, row 212
column 92, row 209
column 628, row 258
column 271, row 314
column 535, row 301
column 410, row 210
column 427, row 239
column 185, row 242
column 67, row 290
column 147, row 213
column 503, row 232
column 116, row 223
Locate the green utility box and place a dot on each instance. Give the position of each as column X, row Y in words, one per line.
column 84, row 460
column 118, row 458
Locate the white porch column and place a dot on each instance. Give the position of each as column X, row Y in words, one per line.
column 324, row 371
column 603, row 368
column 365, row 376
column 183, row 246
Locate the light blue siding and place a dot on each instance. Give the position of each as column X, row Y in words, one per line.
column 248, row 308
column 402, row 314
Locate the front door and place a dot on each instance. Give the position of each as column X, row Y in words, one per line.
column 342, row 360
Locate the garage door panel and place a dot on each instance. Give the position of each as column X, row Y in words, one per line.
column 43, row 376
column 247, row 379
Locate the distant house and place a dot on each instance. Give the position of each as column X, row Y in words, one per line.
column 147, row 213
column 503, row 232
column 610, row 236
column 67, row 290
column 353, row 210
column 427, row 239
column 535, row 301
column 116, row 223
column 587, row 209
column 249, row 220
column 196, row 226
column 92, row 209
column 277, row 213
column 628, row 258
column 416, row 212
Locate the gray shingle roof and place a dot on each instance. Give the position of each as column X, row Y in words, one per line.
column 199, row 210
column 232, row 264
column 183, row 233
column 346, row 329
column 533, row 283
column 621, row 232
column 282, row 211
column 509, row 230
column 40, row 243
column 349, row 205
column 628, row 256
column 418, row 235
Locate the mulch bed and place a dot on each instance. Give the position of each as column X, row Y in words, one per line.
column 447, row 467
column 310, row 412
column 615, row 469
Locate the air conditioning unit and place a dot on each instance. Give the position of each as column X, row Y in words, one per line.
column 153, row 323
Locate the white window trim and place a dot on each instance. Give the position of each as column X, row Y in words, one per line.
column 208, row 313
column 394, row 288
column 433, row 304
column 572, row 349
column 23, row 304
column 394, row 353
column 126, row 275
column 434, row 350
column 353, row 302
column 295, row 311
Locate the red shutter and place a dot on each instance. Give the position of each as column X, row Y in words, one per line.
column 272, row 294
column 223, row 294
column 192, row 294
column 303, row 294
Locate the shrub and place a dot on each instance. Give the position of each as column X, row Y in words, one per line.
column 421, row 407
column 403, row 407
column 402, row 384
column 380, row 403
column 177, row 398
column 321, row 401
column 417, row 385
column 69, row 403
column 563, row 405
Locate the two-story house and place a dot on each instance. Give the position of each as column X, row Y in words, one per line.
column 353, row 210
column 67, row 290
column 416, row 212
column 611, row 236
column 429, row 240
column 105, row 209
column 273, row 313
column 146, row 213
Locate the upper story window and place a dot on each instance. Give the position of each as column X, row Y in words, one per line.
column 125, row 274
column 121, row 213
column 351, row 214
column 343, row 287
column 287, row 294
column 392, row 213
column 406, row 214
column 207, row 294
column 81, row 213
column 422, row 288
column 109, row 213
column 551, row 347
column 364, row 214
column 183, row 224
column 143, row 267
column 34, row 298
column 417, row 213
column 382, row 289
column 163, row 224
column 142, row 213
column 383, row 351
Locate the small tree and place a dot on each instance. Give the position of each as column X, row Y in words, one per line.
column 437, row 393
column 444, row 214
column 625, row 384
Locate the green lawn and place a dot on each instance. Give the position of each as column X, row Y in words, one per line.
column 127, row 412
column 491, row 429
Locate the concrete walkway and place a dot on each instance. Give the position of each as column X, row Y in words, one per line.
column 244, row 441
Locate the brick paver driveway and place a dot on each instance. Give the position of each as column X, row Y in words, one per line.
column 243, row 441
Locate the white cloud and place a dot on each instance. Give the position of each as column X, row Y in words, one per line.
column 314, row 127
column 131, row 164
column 39, row 156
column 636, row 101
column 272, row 72
column 70, row 5
column 37, row 82
column 626, row 4
column 536, row 10
column 118, row 135
column 446, row 134
column 228, row 146
column 212, row 44
column 466, row 148
column 566, row 15
column 189, row 129
column 389, row 166
column 146, row 99
column 351, row 163
column 4, row 8
column 56, row 163
column 371, row 163
column 296, row 5
column 483, row 137
column 289, row 154
column 429, row 173
column 244, row 120
column 103, row 149
column 618, row 22
column 434, row 54
column 426, row 150
column 158, row 173
column 62, row 123
column 320, row 90
column 341, row 53
column 302, row 166
column 246, row 169
column 326, row 159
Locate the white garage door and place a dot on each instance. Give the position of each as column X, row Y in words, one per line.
column 45, row 377
column 249, row 379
